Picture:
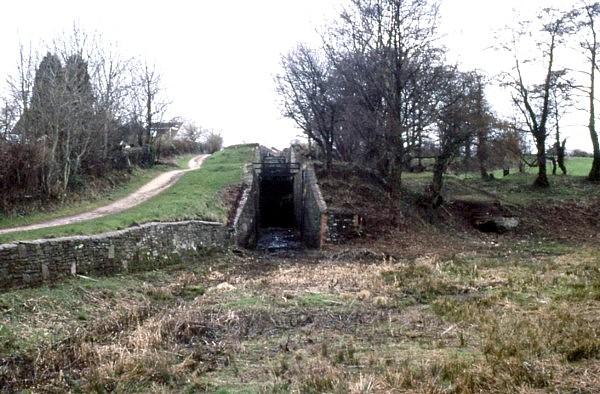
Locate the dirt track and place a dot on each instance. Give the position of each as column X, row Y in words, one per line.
column 149, row 190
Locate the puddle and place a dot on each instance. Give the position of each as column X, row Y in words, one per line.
column 275, row 239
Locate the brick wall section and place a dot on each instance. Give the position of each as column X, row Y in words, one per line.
column 314, row 220
column 143, row 247
column 342, row 226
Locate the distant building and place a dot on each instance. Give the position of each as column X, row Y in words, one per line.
column 170, row 129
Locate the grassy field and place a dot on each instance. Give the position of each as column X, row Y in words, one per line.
column 576, row 166
column 579, row 166
column 194, row 196
column 461, row 315
column 515, row 189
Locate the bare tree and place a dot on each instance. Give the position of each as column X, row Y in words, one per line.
column 586, row 18
column 308, row 97
column 149, row 92
column 390, row 44
column 456, row 123
column 533, row 100
column 112, row 89
column 560, row 103
column 191, row 132
column 64, row 120
column 21, row 83
column 482, row 122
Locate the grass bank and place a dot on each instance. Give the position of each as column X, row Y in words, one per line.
column 194, row 196
column 93, row 199
column 88, row 201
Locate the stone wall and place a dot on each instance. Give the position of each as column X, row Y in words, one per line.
column 314, row 215
column 298, row 198
column 247, row 214
column 143, row 247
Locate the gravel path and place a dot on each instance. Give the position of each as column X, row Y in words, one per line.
column 149, row 190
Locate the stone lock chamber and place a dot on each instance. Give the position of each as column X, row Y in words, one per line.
column 282, row 207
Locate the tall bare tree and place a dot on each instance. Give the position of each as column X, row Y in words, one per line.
column 533, row 100
column 395, row 40
column 586, row 18
column 150, row 94
column 21, row 83
column 560, row 103
column 308, row 95
column 457, row 121
column 112, row 88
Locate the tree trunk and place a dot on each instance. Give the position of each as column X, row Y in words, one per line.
column 396, row 176
column 560, row 157
column 420, row 150
column 467, row 159
column 595, row 171
column 558, row 147
column 329, row 155
column 482, row 154
column 435, row 197
column 148, row 112
column 542, row 177
column 594, row 175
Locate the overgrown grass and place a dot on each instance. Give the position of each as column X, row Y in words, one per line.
column 47, row 315
column 495, row 319
column 194, row 196
column 420, row 312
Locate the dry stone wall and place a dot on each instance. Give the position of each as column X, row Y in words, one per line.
column 143, row 247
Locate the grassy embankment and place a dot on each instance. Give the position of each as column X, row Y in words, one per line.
column 138, row 178
column 194, row 196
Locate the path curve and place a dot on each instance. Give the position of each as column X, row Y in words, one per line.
column 149, row 190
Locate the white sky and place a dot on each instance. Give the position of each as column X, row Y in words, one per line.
column 218, row 58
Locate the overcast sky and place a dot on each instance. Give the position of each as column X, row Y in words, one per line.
column 218, row 58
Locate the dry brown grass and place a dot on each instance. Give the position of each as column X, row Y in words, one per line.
column 469, row 318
